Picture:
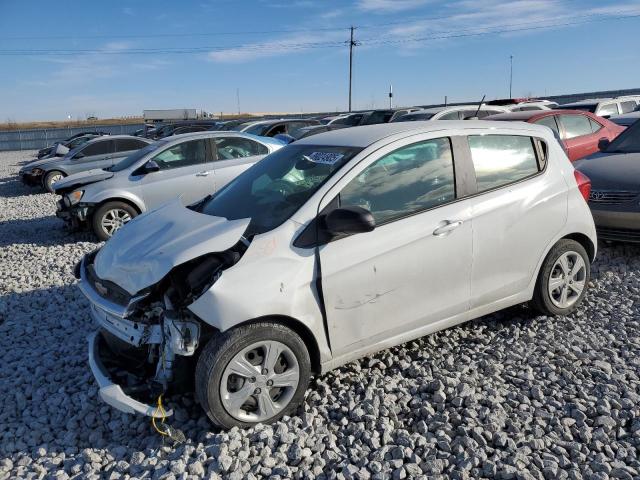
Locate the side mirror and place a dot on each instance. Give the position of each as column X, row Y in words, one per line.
column 151, row 167
column 349, row 220
column 603, row 144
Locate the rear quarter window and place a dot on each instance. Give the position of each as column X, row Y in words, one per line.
column 500, row 160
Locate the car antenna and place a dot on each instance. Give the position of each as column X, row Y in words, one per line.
column 480, row 106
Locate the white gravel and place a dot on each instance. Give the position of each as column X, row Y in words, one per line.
column 507, row 396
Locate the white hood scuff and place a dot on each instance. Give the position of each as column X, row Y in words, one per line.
column 145, row 250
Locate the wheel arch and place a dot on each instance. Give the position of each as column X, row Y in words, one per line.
column 585, row 241
column 299, row 328
column 128, row 201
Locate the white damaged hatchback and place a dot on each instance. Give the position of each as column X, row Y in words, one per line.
column 328, row 250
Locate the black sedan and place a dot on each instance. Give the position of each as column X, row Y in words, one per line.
column 615, row 186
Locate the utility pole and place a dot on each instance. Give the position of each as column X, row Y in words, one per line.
column 238, row 99
column 390, row 96
column 510, row 76
column 352, row 43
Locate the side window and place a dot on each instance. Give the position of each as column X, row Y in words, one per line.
column 237, row 147
column 282, row 128
column 97, row 148
column 575, row 125
column 455, row 115
column 502, row 159
column 608, row 109
column 293, row 128
column 128, row 144
column 628, row 106
column 550, row 122
column 182, row 155
column 595, row 126
column 407, row 181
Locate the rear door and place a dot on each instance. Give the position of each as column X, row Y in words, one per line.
column 97, row 154
column 579, row 137
column 183, row 173
column 233, row 155
column 519, row 207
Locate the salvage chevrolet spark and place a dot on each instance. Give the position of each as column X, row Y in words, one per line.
column 331, row 249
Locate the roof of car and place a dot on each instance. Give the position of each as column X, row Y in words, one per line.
column 456, row 107
column 366, row 135
column 221, row 133
column 278, row 120
column 521, row 116
column 115, row 137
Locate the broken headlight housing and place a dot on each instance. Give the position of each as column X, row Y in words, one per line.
column 73, row 198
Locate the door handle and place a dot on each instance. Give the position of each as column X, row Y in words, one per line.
column 202, row 174
column 448, row 227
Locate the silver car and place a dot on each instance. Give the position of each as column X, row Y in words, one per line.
column 100, row 152
column 190, row 165
column 328, row 250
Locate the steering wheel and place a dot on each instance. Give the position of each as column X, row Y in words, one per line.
column 282, row 187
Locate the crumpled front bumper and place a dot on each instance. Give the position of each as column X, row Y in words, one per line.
column 74, row 214
column 110, row 392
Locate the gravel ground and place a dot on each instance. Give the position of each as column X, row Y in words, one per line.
column 507, row 396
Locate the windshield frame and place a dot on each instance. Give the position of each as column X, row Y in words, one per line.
column 631, row 130
column 131, row 163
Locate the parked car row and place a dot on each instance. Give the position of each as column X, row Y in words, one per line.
column 328, row 236
column 244, row 289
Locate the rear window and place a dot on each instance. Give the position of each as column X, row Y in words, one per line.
column 500, row 160
column 587, row 107
column 550, row 122
column 628, row 106
column 575, row 125
column 98, row 148
column 128, row 144
column 608, row 109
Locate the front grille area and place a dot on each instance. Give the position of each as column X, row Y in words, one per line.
column 107, row 289
column 611, row 197
column 620, row 234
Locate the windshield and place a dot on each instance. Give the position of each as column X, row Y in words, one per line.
column 590, row 107
column 627, row 142
column 414, row 117
column 259, row 129
column 134, row 157
column 275, row 188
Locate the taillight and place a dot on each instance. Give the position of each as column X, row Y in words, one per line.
column 584, row 184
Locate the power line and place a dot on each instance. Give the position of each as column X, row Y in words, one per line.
column 275, row 46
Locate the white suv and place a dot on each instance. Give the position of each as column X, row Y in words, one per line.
column 328, row 250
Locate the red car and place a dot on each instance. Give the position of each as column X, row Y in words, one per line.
column 580, row 131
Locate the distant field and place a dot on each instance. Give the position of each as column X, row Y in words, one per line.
column 68, row 123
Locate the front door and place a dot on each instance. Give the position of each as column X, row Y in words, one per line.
column 98, row 154
column 185, row 172
column 414, row 268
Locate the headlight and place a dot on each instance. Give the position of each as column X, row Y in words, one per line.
column 74, row 197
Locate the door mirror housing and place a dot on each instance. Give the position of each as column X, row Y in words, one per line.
column 349, row 220
column 151, row 167
column 603, row 144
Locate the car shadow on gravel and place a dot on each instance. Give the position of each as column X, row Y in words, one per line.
column 11, row 187
column 43, row 231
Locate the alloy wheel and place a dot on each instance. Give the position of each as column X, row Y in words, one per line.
column 259, row 381
column 567, row 279
column 114, row 219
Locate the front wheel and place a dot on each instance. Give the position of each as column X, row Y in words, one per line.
column 563, row 280
column 51, row 178
column 253, row 373
column 111, row 217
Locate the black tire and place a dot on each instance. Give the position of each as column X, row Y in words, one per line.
column 542, row 300
column 223, row 347
column 102, row 211
column 49, row 178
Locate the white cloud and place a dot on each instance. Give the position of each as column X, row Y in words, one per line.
column 390, row 5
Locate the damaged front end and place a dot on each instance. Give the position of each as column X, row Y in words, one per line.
column 148, row 341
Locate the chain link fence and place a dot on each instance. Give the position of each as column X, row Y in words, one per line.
column 40, row 138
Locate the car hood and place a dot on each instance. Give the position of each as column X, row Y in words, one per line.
column 81, row 178
column 44, row 162
column 611, row 171
column 147, row 248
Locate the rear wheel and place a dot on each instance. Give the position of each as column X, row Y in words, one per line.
column 51, row 178
column 110, row 217
column 251, row 374
column 563, row 279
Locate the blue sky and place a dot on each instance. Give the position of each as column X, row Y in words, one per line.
column 287, row 55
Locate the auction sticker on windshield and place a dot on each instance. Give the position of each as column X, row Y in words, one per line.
column 325, row 158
